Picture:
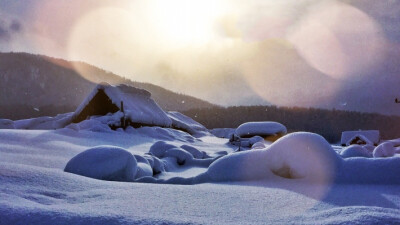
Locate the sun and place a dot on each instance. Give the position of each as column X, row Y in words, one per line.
column 185, row 22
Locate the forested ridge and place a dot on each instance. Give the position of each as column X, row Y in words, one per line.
column 328, row 123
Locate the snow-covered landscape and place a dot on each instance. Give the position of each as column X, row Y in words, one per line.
column 57, row 172
column 199, row 112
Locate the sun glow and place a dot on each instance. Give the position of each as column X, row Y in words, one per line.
column 185, row 22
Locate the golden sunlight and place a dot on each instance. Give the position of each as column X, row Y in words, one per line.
column 184, row 22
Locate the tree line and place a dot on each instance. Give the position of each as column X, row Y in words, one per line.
column 24, row 111
column 328, row 123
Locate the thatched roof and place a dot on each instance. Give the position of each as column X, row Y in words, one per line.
column 138, row 105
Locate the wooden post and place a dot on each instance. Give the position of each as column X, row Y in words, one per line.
column 123, row 120
column 122, row 106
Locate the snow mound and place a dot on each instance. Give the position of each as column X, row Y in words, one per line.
column 261, row 129
column 298, row 155
column 167, row 134
column 385, row 149
column 255, row 139
column 158, row 166
column 303, row 155
column 194, row 151
column 171, row 156
column 143, row 170
column 162, row 150
column 355, row 151
column 187, row 124
column 44, row 123
column 247, row 165
column 94, row 124
column 258, row 145
column 104, row 163
column 6, row 124
column 180, row 154
column 159, row 148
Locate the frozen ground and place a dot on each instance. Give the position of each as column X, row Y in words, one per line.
column 34, row 189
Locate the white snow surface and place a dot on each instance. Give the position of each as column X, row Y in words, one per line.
column 223, row 132
column 260, row 128
column 298, row 179
column 138, row 104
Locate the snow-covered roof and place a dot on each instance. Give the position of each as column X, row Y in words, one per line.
column 260, row 128
column 187, row 124
column 371, row 135
column 361, row 137
column 139, row 107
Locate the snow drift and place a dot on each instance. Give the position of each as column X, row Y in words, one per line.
column 384, row 150
column 297, row 155
column 104, row 163
column 300, row 156
column 356, row 151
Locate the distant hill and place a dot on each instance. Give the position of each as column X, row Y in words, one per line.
column 35, row 85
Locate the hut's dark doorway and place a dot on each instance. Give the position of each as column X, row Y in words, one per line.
column 100, row 105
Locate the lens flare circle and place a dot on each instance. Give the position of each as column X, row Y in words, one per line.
column 338, row 40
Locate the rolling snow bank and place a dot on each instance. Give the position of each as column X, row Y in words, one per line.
column 6, row 124
column 297, row 156
column 309, row 157
column 117, row 164
column 40, row 123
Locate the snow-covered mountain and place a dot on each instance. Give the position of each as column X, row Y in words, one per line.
column 40, row 81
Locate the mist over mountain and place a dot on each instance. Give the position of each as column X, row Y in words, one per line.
column 35, row 85
column 39, row 85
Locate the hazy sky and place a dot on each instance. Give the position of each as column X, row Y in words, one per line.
column 334, row 54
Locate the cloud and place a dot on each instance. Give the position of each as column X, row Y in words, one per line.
column 9, row 29
column 4, row 35
column 263, row 51
column 15, row 26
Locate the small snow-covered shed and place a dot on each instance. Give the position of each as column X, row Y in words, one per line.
column 266, row 129
column 360, row 137
column 138, row 107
